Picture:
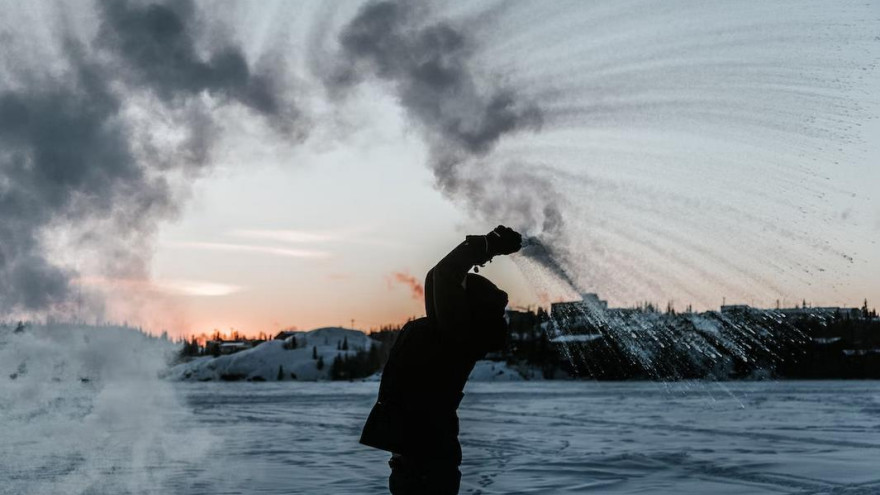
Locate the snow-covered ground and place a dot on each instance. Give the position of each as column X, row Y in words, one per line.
column 494, row 371
column 562, row 437
column 546, row 437
column 83, row 411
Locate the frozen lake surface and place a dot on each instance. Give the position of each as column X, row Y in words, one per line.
column 533, row 437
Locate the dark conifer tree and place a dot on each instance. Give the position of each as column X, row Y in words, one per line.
column 375, row 358
column 336, row 369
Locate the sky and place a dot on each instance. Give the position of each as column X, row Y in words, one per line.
column 362, row 212
column 372, row 214
column 198, row 166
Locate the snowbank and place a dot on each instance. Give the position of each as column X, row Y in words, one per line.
column 494, row 371
column 272, row 360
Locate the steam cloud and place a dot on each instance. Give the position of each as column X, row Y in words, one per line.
column 85, row 411
column 73, row 160
column 641, row 82
column 156, row 43
column 429, row 65
column 66, row 158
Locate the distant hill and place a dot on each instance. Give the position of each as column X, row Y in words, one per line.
column 276, row 360
column 273, row 359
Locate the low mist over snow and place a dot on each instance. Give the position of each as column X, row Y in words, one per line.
column 78, row 402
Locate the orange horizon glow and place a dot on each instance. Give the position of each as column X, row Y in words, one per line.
column 207, row 329
column 305, row 297
column 231, row 331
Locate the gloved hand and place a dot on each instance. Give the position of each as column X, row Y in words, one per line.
column 503, row 240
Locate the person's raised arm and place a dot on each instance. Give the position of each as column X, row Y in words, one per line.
column 445, row 291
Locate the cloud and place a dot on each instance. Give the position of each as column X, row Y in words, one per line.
column 183, row 287
column 347, row 235
column 249, row 248
column 157, row 49
column 84, row 152
column 289, row 236
column 197, row 288
column 429, row 65
column 67, row 157
column 417, row 290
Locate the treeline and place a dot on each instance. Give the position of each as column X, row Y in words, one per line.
column 645, row 344
column 529, row 345
column 365, row 362
column 841, row 348
column 749, row 345
column 361, row 364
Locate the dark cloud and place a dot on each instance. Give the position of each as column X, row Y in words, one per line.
column 157, row 43
column 66, row 157
column 71, row 161
column 429, row 64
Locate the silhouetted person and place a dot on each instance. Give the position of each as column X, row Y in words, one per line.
column 415, row 416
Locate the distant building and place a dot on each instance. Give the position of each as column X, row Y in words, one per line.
column 591, row 315
column 284, row 334
column 824, row 312
column 736, row 309
column 221, row 347
column 233, row 347
column 837, row 311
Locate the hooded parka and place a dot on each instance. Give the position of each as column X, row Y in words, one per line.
column 428, row 366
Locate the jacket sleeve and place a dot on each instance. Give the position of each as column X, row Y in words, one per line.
column 445, row 294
